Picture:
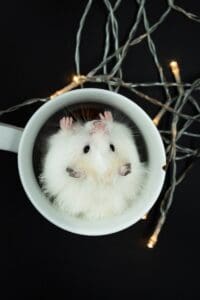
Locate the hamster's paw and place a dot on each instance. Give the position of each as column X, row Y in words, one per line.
column 75, row 173
column 66, row 123
column 106, row 116
column 125, row 169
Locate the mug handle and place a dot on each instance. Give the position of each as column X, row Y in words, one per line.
column 10, row 137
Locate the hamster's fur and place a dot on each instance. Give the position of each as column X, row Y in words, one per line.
column 92, row 170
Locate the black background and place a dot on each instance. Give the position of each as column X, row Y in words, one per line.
column 37, row 58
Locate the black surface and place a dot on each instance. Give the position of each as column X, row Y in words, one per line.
column 37, row 58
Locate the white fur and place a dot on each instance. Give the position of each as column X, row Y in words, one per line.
column 101, row 191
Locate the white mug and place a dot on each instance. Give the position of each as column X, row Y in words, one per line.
column 22, row 142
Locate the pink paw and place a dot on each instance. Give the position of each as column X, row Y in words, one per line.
column 66, row 123
column 125, row 169
column 106, row 116
column 74, row 173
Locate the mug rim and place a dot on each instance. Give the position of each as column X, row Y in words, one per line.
column 28, row 178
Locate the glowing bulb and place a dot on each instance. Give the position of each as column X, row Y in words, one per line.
column 175, row 70
column 76, row 78
column 156, row 120
column 144, row 217
column 152, row 241
column 150, row 245
column 174, row 65
column 76, row 81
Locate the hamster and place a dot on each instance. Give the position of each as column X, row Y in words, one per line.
column 92, row 170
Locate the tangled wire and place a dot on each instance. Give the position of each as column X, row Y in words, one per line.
column 180, row 127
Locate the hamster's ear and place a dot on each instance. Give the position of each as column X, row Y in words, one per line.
column 106, row 116
column 125, row 169
column 66, row 123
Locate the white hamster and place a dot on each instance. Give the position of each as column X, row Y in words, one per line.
column 92, row 170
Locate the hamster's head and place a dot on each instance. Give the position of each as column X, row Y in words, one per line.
column 101, row 150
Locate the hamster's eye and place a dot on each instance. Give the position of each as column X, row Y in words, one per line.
column 112, row 147
column 86, row 149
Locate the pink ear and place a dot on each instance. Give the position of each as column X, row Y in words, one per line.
column 66, row 123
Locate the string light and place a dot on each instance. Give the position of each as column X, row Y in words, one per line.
column 144, row 217
column 156, row 120
column 176, row 72
column 175, row 68
column 114, row 80
column 154, row 237
column 77, row 78
column 76, row 81
column 152, row 241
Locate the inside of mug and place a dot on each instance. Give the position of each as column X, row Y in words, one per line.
column 82, row 112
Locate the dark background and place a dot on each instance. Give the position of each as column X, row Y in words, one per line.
column 37, row 58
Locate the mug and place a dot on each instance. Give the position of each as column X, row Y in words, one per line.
column 22, row 142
